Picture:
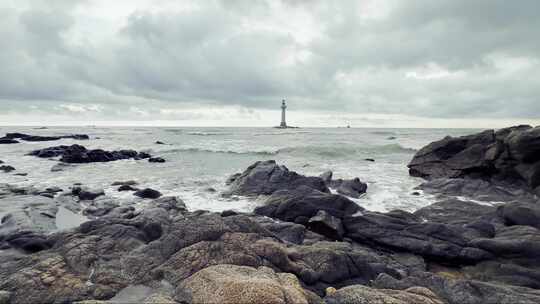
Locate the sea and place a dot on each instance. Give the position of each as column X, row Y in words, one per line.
column 199, row 160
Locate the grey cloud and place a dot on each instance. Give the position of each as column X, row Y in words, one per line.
column 209, row 56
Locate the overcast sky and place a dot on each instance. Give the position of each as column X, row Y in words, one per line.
column 410, row 63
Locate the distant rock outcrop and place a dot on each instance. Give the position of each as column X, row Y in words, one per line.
column 79, row 154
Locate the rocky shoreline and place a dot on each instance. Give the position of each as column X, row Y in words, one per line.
column 304, row 244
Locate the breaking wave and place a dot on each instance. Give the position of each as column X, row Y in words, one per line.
column 324, row 151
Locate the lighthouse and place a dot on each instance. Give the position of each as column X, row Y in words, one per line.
column 283, row 107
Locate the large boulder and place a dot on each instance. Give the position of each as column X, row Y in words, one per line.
column 241, row 284
column 300, row 204
column 509, row 156
column 359, row 294
column 266, row 177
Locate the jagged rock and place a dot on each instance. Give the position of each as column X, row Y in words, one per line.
column 241, row 284
column 353, row 187
column 327, row 225
column 303, row 203
column 147, row 193
column 508, row 156
column 349, row 187
column 266, row 177
column 6, row 168
column 359, row 294
column 327, row 176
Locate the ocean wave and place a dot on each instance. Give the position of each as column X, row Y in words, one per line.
column 282, row 133
column 337, row 151
column 383, row 133
column 346, row 150
column 208, row 133
column 202, row 150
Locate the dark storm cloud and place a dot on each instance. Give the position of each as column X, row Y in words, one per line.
column 424, row 58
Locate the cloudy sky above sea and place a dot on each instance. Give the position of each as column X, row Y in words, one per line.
column 367, row 63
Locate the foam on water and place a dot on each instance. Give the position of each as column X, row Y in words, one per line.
column 202, row 158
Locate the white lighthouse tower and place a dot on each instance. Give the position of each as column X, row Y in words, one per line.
column 283, row 122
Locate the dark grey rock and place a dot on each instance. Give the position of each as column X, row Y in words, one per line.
column 226, row 213
column 7, row 141
column 86, row 194
column 147, row 193
column 327, row 225
column 448, row 243
column 305, row 202
column 266, row 177
column 170, row 203
column 508, row 157
column 6, row 168
column 454, row 211
column 353, row 187
column 517, row 213
column 156, row 160
column 79, row 154
column 327, row 177
column 127, row 188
